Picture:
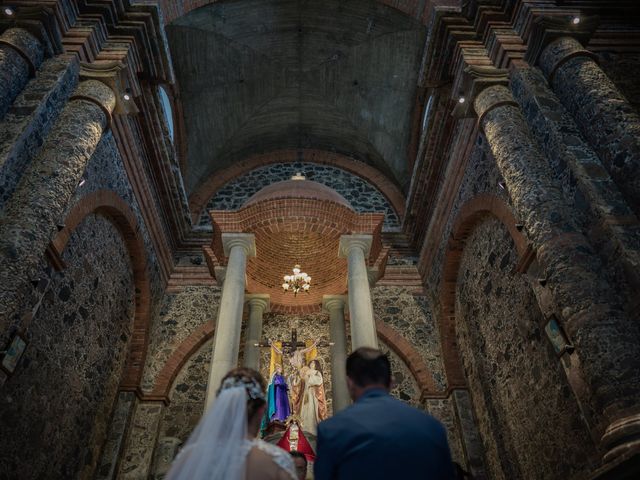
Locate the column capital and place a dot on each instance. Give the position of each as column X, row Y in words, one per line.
column 258, row 300
column 97, row 93
column 492, row 97
column 470, row 82
column 547, row 28
column 559, row 51
column 247, row 241
column 335, row 302
column 114, row 75
column 26, row 45
column 349, row 242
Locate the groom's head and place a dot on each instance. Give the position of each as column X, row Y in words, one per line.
column 367, row 368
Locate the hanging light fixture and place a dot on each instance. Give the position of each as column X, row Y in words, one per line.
column 296, row 282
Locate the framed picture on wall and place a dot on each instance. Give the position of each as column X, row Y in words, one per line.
column 13, row 353
column 557, row 337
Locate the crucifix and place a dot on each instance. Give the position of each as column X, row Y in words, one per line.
column 293, row 348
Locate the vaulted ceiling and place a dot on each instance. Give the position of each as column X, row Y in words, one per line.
column 256, row 76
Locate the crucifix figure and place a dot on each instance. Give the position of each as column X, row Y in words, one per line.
column 301, row 380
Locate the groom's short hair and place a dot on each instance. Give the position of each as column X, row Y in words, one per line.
column 369, row 366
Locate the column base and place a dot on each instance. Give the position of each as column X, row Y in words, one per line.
column 624, row 467
column 622, row 436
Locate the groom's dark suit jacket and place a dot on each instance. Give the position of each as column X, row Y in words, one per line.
column 379, row 437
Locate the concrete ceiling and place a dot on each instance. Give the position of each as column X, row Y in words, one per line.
column 261, row 75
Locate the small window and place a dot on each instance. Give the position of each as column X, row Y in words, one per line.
column 168, row 112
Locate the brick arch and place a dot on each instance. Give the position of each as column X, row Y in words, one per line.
column 199, row 198
column 179, row 357
column 409, row 356
column 172, row 9
column 471, row 214
column 114, row 208
column 202, row 334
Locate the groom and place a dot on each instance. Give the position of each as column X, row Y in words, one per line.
column 379, row 437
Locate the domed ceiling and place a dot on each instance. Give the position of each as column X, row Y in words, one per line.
column 256, row 76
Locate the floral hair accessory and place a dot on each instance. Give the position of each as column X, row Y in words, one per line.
column 253, row 388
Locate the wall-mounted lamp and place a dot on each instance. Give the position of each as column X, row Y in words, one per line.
column 558, row 337
column 575, row 20
column 8, row 11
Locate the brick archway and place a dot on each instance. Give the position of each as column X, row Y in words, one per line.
column 199, row 198
column 471, row 214
column 114, row 208
column 409, row 356
column 171, row 9
column 202, row 334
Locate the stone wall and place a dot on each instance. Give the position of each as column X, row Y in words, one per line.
column 410, row 314
column 623, row 70
column 527, row 414
column 178, row 316
column 106, row 170
column 54, row 410
column 362, row 196
column 481, row 176
column 187, row 395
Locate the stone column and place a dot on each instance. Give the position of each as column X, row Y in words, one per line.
column 258, row 304
column 605, row 117
column 45, row 189
column 607, row 342
column 20, row 56
column 334, row 304
column 226, row 344
column 363, row 327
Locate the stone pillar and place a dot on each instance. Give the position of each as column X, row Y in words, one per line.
column 334, row 304
column 607, row 342
column 606, row 119
column 20, row 56
column 45, row 189
column 363, row 327
column 258, row 304
column 226, row 344
column 165, row 452
column 137, row 457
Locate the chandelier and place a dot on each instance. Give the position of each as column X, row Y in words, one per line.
column 296, row 282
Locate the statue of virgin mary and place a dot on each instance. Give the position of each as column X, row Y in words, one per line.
column 277, row 397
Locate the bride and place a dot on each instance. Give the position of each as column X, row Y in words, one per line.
column 224, row 445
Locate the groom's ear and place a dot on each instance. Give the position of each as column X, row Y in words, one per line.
column 351, row 386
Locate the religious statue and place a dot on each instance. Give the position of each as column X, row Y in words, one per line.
column 311, row 405
column 304, row 383
column 277, row 397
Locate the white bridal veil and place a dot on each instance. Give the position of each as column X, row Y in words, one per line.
column 217, row 448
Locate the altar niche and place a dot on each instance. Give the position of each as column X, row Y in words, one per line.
column 309, row 329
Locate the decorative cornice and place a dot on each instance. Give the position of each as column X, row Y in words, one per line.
column 546, row 29
column 113, row 74
column 474, row 79
column 39, row 21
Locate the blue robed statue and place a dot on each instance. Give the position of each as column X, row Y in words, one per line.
column 278, row 397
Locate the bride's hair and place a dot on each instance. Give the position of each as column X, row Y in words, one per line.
column 253, row 383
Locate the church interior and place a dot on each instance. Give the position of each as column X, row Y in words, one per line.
column 187, row 186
